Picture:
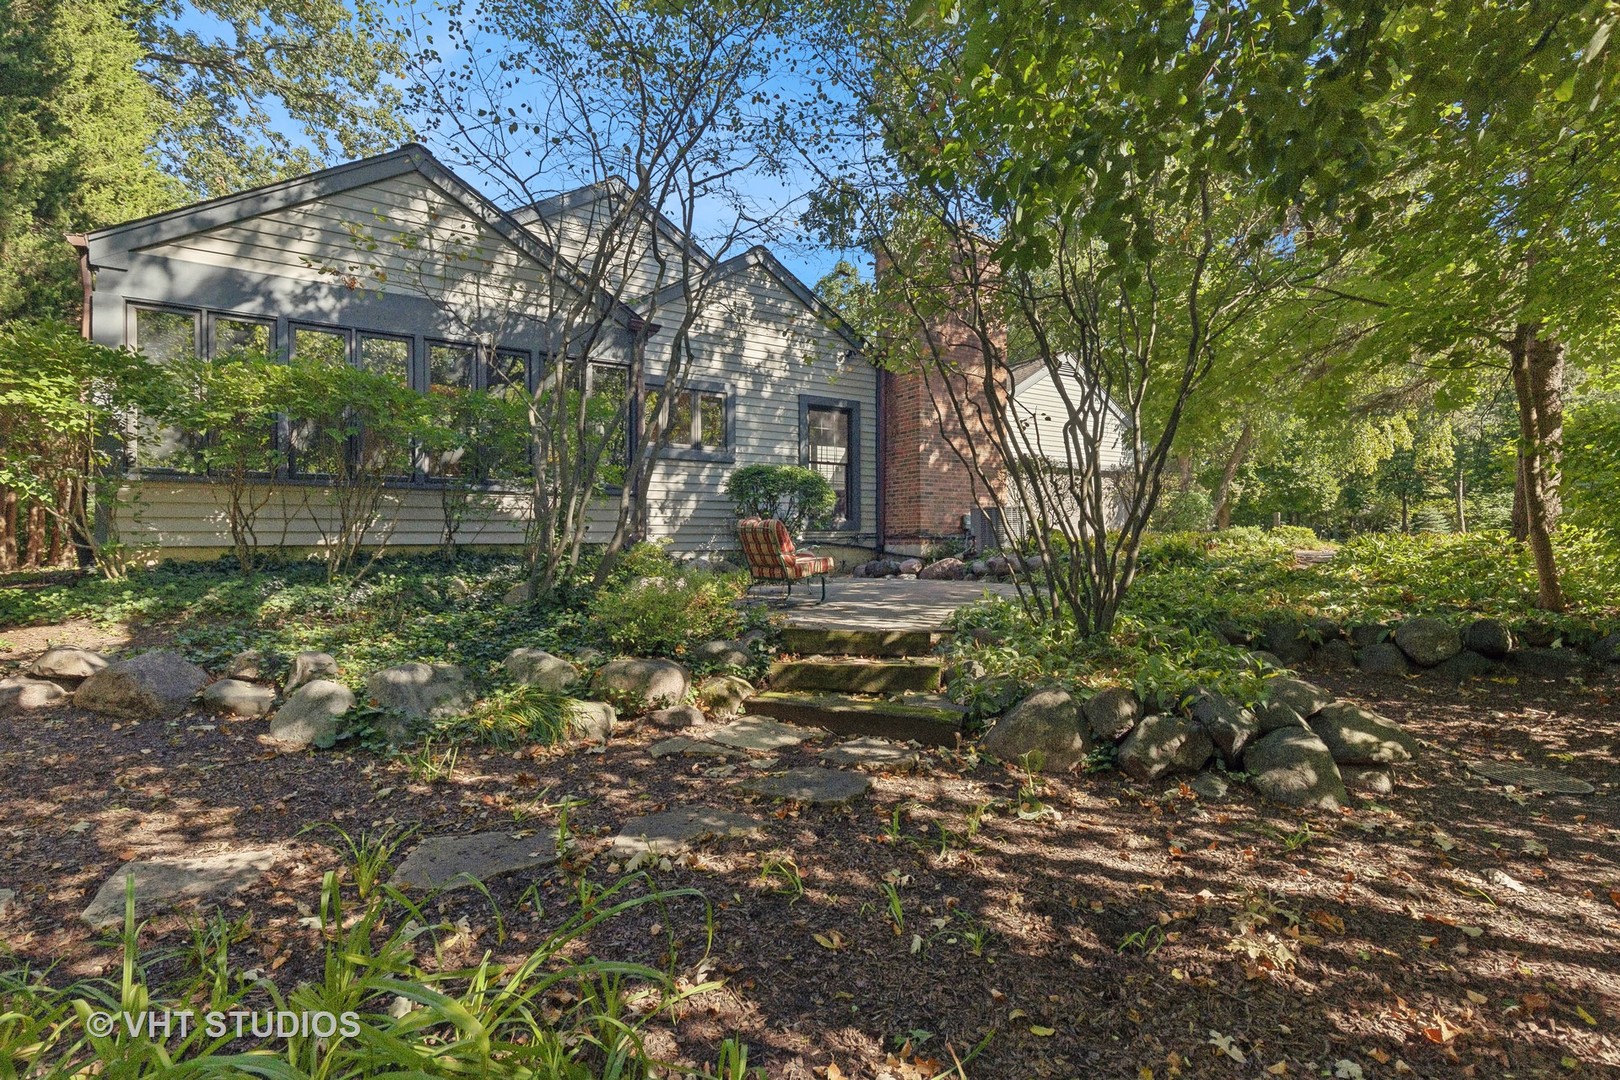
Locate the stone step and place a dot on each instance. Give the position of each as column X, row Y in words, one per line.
column 927, row 718
column 811, row 641
column 850, row 676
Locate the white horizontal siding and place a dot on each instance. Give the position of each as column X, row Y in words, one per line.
column 425, row 244
column 1045, row 417
column 186, row 513
column 759, row 339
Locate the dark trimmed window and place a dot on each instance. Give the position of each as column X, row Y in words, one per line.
column 829, row 443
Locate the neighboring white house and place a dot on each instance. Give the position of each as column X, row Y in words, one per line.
column 394, row 263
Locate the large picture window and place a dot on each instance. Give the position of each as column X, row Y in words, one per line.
column 830, row 444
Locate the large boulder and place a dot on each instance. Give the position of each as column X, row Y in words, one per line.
column 1301, row 696
column 1605, row 650
column 1276, row 716
column 1047, row 723
column 723, row 695
column 722, row 654
column 1111, row 713
column 1365, row 634
column 1286, row 639
column 19, row 694
column 419, row 690
column 944, row 570
column 1293, row 767
column 676, row 717
column 1384, row 658
column 249, row 665
column 591, row 720
column 910, row 566
column 238, row 698
column 67, row 662
column 654, row 683
column 1488, row 637
column 536, row 667
column 155, row 685
column 1369, row 779
column 310, row 665
column 1356, row 736
column 1230, row 726
column 1163, row 744
column 1467, row 664
column 1336, row 655
column 309, row 716
column 1428, row 641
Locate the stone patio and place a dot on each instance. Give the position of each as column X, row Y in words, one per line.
column 885, row 603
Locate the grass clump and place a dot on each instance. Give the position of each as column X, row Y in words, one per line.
column 556, row 1014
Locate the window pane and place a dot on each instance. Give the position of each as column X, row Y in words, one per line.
column 712, row 421
column 322, row 346
column 165, row 335
column 450, row 365
column 507, row 374
column 829, row 452
column 240, row 335
column 607, row 418
column 387, row 356
column 680, row 421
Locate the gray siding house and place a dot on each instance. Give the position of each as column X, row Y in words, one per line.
column 395, row 264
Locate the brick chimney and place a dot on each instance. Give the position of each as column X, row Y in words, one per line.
column 928, row 489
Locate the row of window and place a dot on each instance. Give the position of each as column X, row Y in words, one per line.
column 702, row 425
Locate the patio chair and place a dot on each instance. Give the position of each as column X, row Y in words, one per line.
column 772, row 557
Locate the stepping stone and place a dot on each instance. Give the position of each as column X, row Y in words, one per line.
column 855, row 676
column 758, row 733
column 67, row 662
column 806, row 641
column 676, row 830
column 680, row 744
column 811, row 784
column 925, row 718
column 871, row 753
column 455, row 862
column 1544, row 781
column 161, row 883
column 238, row 698
column 20, row 694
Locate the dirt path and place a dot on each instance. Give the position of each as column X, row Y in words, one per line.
column 1085, row 928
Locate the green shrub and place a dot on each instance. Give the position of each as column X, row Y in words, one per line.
column 801, row 498
column 664, row 614
column 1182, row 511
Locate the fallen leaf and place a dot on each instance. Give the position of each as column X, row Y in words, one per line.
column 831, row 940
column 1477, row 999
column 1584, row 1015
column 1223, row 1043
column 1041, row 1030
column 1279, row 1069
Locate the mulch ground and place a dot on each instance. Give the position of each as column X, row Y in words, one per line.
column 1087, row 928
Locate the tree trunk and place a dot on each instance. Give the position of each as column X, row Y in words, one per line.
column 1538, row 384
column 36, row 536
column 1234, row 461
column 8, row 529
column 1462, row 507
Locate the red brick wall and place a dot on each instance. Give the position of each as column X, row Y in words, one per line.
column 927, row 486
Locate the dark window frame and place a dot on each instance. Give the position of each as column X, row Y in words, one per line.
column 692, row 450
column 852, row 503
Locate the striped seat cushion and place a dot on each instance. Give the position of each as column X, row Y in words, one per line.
column 770, row 554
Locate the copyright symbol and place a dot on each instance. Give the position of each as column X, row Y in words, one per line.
column 100, row 1024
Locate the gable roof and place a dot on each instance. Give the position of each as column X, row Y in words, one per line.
column 107, row 244
column 762, row 257
column 612, row 187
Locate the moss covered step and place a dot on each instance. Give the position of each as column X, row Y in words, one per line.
column 850, row 676
column 927, row 718
column 809, row 641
